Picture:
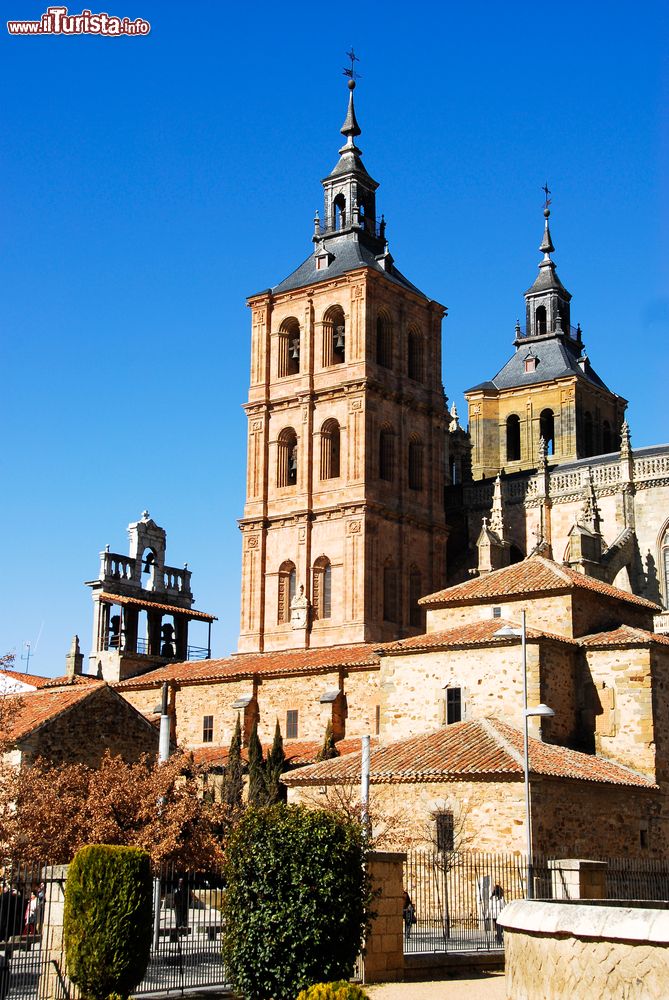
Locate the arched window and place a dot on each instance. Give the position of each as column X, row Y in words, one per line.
column 415, row 464
column 286, row 593
column 340, row 212
column 289, row 347
column 330, row 452
column 322, row 588
column 386, row 454
column 384, row 341
column 607, row 439
column 334, row 337
column 547, row 430
column 415, row 593
column 513, row 438
column 588, row 435
column 286, row 467
column 540, row 320
column 664, row 564
column 390, row 604
column 415, row 355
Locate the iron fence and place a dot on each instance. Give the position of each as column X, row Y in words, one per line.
column 186, row 950
column 457, row 896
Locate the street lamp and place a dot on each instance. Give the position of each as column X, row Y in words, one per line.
column 540, row 711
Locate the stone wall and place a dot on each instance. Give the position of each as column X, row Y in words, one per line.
column 624, row 724
column 275, row 696
column 561, row 951
column 102, row 721
column 490, row 815
column 413, row 687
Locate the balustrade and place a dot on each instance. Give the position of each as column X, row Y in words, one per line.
column 117, row 567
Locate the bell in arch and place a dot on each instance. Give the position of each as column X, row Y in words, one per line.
column 339, row 338
column 295, row 348
column 292, row 465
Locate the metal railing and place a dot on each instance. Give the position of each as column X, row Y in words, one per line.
column 456, row 902
column 186, row 952
column 141, row 645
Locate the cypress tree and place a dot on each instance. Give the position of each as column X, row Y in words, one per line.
column 274, row 768
column 256, row 770
column 233, row 780
column 329, row 748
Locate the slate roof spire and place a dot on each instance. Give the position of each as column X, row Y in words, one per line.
column 350, row 127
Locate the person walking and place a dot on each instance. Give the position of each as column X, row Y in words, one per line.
column 497, row 904
column 408, row 915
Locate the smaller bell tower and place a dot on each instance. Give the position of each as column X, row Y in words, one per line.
column 547, row 396
column 142, row 608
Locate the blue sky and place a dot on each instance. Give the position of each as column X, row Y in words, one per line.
column 151, row 184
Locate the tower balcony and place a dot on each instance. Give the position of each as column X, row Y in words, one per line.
column 333, row 225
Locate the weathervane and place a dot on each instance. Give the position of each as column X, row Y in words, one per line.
column 546, row 191
column 351, row 73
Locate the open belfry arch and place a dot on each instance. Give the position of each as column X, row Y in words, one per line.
column 346, row 438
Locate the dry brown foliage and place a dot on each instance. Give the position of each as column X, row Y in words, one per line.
column 47, row 812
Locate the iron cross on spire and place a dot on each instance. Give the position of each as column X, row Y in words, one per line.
column 350, row 72
column 546, row 190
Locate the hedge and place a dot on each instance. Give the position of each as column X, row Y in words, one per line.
column 107, row 923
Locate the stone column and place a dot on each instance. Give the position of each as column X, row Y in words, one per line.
column 384, row 947
column 53, row 983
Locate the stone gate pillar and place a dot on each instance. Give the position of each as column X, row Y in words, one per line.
column 384, row 947
column 53, row 983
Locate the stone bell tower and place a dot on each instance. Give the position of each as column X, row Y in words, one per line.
column 142, row 608
column 343, row 526
column 547, row 390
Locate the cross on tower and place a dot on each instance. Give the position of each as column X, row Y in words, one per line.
column 351, row 73
column 546, row 191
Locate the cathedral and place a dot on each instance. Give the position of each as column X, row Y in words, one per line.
column 389, row 554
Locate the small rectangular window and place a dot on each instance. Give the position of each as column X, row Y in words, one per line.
column 453, row 705
column 445, row 832
column 643, row 837
column 208, row 729
column 497, row 612
column 377, row 720
column 291, row 724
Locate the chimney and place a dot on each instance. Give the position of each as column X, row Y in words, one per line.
column 74, row 661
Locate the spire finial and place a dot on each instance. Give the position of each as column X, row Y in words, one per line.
column 350, row 128
column 546, row 244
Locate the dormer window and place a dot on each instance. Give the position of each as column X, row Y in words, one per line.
column 530, row 363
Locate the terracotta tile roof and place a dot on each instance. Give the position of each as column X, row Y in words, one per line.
column 32, row 679
column 66, row 681
column 475, row 634
column 484, row 748
column 34, row 708
column 283, row 662
column 535, row 575
column 623, row 636
column 169, row 608
column 298, row 752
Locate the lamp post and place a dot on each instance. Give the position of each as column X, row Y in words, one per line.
column 540, row 711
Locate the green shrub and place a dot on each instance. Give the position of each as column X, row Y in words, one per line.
column 107, row 923
column 297, row 900
column 334, row 991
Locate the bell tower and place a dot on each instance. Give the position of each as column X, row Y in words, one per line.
column 343, row 528
column 547, row 396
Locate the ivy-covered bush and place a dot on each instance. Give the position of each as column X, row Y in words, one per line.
column 297, row 900
column 107, row 923
column 334, row 991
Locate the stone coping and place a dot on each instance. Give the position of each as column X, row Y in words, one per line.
column 584, row 920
